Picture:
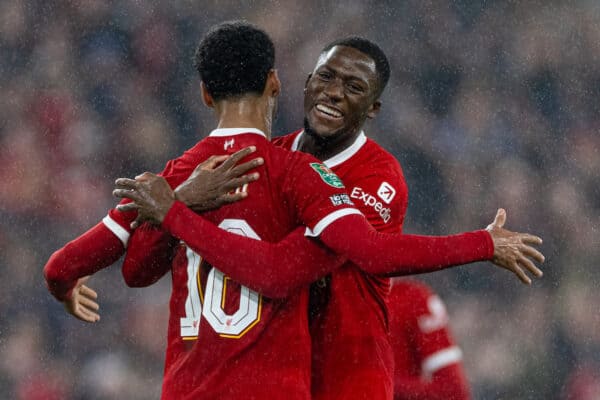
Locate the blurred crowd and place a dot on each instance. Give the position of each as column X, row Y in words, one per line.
column 490, row 104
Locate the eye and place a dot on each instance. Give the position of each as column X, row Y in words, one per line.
column 355, row 88
column 324, row 75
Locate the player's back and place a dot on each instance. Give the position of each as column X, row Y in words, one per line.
column 225, row 340
column 352, row 358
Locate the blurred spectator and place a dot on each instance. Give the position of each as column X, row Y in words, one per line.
column 490, row 104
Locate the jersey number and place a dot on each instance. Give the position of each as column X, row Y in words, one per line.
column 227, row 325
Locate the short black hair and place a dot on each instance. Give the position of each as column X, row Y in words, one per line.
column 234, row 59
column 382, row 65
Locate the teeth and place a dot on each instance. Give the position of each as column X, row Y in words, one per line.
column 328, row 111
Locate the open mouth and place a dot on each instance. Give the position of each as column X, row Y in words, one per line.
column 328, row 111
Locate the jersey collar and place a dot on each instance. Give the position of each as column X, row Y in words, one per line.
column 343, row 155
column 236, row 131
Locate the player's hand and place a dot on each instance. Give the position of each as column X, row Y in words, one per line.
column 82, row 303
column 513, row 251
column 151, row 195
column 214, row 182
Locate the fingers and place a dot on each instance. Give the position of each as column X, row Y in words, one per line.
column 126, row 183
column 531, row 239
column 237, row 156
column 85, row 314
column 212, row 162
column 532, row 253
column 530, row 266
column 231, row 198
column 514, row 267
column 500, row 218
column 89, row 304
column 127, row 207
column 241, row 181
column 247, row 166
column 88, row 292
column 145, row 176
column 127, row 194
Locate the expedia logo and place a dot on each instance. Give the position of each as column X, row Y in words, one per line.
column 372, row 201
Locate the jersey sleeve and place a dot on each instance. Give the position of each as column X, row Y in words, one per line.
column 426, row 323
column 318, row 194
column 382, row 196
column 275, row 270
column 104, row 243
column 149, row 255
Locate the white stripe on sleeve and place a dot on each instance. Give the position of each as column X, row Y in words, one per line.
column 324, row 223
column 117, row 229
column 441, row 359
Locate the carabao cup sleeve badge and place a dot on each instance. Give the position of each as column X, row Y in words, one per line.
column 328, row 176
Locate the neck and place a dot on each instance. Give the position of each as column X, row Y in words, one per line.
column 325, row 148
column 245, row 112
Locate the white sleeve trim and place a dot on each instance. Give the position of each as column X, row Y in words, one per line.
column 117, row 229
column 441, row 359
column 325, row 222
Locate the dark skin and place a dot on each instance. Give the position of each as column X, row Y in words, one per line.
column 219, row 176
column 340, row 95
column 344, row 81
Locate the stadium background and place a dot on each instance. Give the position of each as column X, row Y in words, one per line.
column 490, row 103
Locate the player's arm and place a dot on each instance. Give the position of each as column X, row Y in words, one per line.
column 343, row 231
column 149, row 255
column 97, row 248
column 151, row 249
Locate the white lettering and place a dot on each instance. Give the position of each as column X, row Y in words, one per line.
column 371, row 201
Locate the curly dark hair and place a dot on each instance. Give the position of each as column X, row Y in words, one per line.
column 234, row 59
column 382, row 65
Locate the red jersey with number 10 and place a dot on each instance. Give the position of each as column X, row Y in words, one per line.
column 226, row 341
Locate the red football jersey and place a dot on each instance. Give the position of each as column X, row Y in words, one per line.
column 225, row 341
column 423, row 346
column 352, row 358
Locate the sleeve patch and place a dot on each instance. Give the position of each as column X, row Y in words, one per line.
column 328, row 176
column 386, row 192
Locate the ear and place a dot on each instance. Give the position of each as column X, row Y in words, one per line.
column 306, row 81
column 374, row 109
column 273, row 84
column 206, row 97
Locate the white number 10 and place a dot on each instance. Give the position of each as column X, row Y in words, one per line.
column 227, row 325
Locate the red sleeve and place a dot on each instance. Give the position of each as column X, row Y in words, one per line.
column 350, row 236
column 273, row 270
column 148, row 256
column 399, row 254
column 426, row 323
column 95, row 249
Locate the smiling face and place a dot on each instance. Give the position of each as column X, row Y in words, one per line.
column 340, row 94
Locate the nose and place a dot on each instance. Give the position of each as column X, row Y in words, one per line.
column 334, row 90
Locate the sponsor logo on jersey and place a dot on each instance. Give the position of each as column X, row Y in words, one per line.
column 328, row 176
column 339, row 199
column 228, row 144
column 371, row 201
column 386, row 192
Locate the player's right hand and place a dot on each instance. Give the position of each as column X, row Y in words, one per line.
column 214, row 181
column 514, row 251
column 82, row 303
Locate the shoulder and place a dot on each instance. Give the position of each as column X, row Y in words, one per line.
column 286, row 141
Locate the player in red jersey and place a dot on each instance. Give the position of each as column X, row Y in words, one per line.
column 427, row 362
column 369, row 358
column 177, row 224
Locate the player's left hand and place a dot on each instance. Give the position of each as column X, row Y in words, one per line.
column 83, row 302
column 514, row 251
column 151, row 195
